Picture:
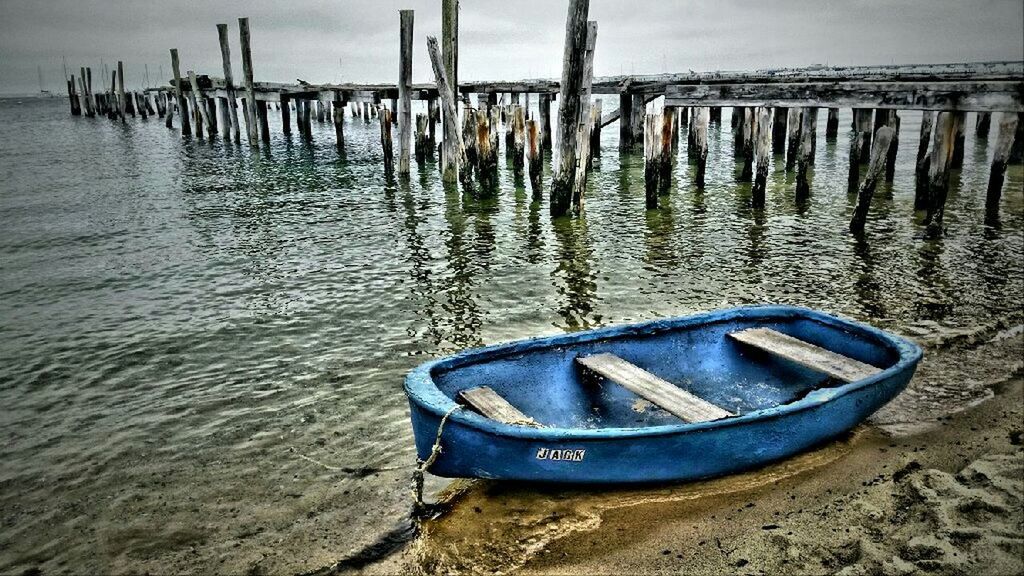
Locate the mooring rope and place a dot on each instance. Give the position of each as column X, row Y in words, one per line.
column 419, row 506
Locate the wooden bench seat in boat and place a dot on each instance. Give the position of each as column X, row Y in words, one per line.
column 661, row 393
column 489, row 403
column 805, row 354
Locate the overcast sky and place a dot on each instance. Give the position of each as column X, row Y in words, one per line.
column 357, row 40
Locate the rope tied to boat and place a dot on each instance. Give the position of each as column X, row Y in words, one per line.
column 419, row 506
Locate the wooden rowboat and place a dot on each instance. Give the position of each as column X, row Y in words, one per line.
column 676, row 399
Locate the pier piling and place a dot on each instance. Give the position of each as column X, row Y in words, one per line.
column 250, row 94
column 405, row 18
column 1008, row 124
column 571, row 87
column 186, row 125
column 764, row 140
column 534, row 156
column 652, row 158
column 385, row 142
column 879, row 154
column 700, row 143
column 923, row 161
column 938, row 171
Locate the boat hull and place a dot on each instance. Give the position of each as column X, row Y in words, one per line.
column 473, row 446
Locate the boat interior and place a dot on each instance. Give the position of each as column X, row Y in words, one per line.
column 670, row 375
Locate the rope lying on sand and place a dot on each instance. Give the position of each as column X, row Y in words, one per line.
column 419, row 506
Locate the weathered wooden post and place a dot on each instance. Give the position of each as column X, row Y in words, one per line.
column 534, row 156
column 665, row 154
column 456, row 161
column 286, row 116
column 469, row 134
column 385, row 142
column 120, row 89
column 73, row 101
column 573, row 69
column 595, row 130
column 749, row 124
column 779, row 130
column 198, row 101
column 433, row 115
column 169, row 116
column 832, row 124
column 652, row 158
column 861, row 141
column 518, row 140
column 879, row 153
column 805, row 151
column 691, row 134
column 793, row 136
column 186, row 126
column 957, row 160
column 938, row 171
column 700, row 142
column 338, row 117
column 451, row 152
column 422, row 144
column 583, row 162
column 405, row 18
column 764, row 140
column 894, row 145
column 1017, row 150
column 230, row 100
column 1008, row 123
column 250, row 94
column 493, row 134
column 261, row 112
column 636, row 118
column 544, row 103
column 715, row 115
column 982, row 123
column 487, row 152
column 84, row 81
column 923, row 160
column 625, row 121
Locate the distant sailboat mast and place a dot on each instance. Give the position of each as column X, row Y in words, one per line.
column 42, row 89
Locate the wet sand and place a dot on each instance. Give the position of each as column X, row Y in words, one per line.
column 937, row 493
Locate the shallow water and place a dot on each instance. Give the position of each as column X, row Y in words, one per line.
column 203, row 347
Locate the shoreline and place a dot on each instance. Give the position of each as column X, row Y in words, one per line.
column 944, row 494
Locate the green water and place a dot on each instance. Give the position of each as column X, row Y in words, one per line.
column 203, row 347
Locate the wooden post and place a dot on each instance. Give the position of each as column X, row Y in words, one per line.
column 652, row 158
column 938, row 171
column 405, row 28
column 544, row 102
column 749, row 126
column 76, row 107
column 534, row 156
column 451, row 152
column 494, row 122
column 456, row 162
column 861, row 141
column 198, row 100
column 923, row 160
column 700, row 142
column 793, row 127
column 982, row 123
column 231, row 99
column 169, row 116
column 636, row 118
column 487, row 151
column 805, row 152
column 385, row 143
column 779, row 130
column 286, row 116
column 320, row 112
column 120, row 89
column 583, row 163
column 1017, row 150
column 832, row 124
column 595, row 129
column 715, row 115
column 894, row 145
column 879, row 153
column 518, row 139
column 691, row 134
column 665, row 154
column 186, row 126
column 957, row 160
column 469, row 134
column 625, row 121
column 261, row 111
column 764, row 140
column 433, row 115
column 1008, row 123
column 422, row 139
column 86, row 97
column 338, row 116
column 307, row 122
column 573, row 70
column 197, row 120
column 250, row 95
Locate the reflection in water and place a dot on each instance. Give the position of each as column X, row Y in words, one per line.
column 868, row 288
column 574, row 279
column 661, row 254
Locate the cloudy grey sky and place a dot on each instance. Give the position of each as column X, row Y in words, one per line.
column 357, row 40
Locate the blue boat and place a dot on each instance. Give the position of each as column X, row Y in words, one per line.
column 664, row 400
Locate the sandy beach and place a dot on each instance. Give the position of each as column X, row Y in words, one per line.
column 940, row 494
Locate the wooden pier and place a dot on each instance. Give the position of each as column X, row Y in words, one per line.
column 775, row 112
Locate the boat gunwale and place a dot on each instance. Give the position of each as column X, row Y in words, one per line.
column 422, row 389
